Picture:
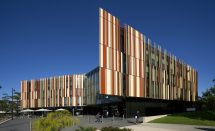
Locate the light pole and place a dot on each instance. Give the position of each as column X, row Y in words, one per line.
column 12, row 102
column 0, row 94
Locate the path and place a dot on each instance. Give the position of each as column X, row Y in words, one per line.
column 169, row 127
column 16, row 125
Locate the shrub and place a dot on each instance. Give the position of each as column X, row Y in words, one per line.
column 86, row 129
column 54, row 121
column 103, row 129
column 114, row 129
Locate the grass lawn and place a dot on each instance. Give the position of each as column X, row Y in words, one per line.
column 206, row 118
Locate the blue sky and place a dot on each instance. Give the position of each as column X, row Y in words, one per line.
column 43, row 38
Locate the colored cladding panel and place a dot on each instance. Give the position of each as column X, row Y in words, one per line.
column 24, row 94
column 147, row 70
column 109, row 30
column 134, row 51
column 172, row 76
column 112, row 57
column 110, row 64
column 53, row 92
column 134, row 43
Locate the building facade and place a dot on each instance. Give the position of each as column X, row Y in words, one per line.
column 61, row 91
column 131, row 67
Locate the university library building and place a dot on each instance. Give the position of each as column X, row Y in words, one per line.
column 133, row 74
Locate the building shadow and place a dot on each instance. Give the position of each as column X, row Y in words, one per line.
column 205, row 128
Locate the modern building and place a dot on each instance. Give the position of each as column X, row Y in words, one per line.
column 133, row 74
column 58, row 91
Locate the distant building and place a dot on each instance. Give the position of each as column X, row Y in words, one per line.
column 133, row 74
column 58, row 91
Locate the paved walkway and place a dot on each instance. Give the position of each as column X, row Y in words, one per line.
column 24, row 125
column 16, row 125
column 87, row 121
column 169, row 127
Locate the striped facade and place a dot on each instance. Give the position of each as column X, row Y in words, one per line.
column 111, row 57
column 130, row 65
column 59, row 91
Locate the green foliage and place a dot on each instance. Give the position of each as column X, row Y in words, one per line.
column 81, row 128
column 110, row 128
column 103, row 129
column 5, row 97
column 209, row 93
column 190, row 118
column 16, row 99
column 5, row 103
column 207, row 101
column 55, row 121
column 17, row 96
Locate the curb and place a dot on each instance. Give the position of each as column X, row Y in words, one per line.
column 5, row 121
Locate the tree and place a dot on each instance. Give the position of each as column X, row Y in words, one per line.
column 16, row 98
column 209, row 93
column 4, row 103
column 5, row 97
column 209, row 97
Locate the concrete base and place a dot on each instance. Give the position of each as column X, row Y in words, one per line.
column 150, row 118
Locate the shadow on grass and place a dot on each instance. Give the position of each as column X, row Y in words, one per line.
column 205, row 129
column 133, row 121
column 201, row 115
